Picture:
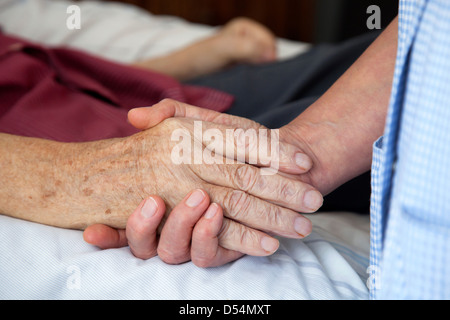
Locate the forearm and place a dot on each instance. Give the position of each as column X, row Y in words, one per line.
column 57, row 184
column 239, row 41
column 29, row 179
column 341, row 127
column 196, row 60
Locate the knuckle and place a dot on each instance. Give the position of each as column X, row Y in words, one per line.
column 246, row 141
column 291, row 192
column 180, row 217
column 238, row 203
column 202, row 233
column 270, row 216
column 286, row 191
column 139, row 230
column 224, row 232
column 274, row 216
column 238, row 237
column 245, row 177
column 247, row 237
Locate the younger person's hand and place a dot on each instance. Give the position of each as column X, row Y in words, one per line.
column 191, row 232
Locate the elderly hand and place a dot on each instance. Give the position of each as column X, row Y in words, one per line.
column 300, row 145
column 244, row 208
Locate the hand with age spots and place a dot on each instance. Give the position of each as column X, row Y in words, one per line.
column 336, row 130
column 242, row 220
column 85, row 185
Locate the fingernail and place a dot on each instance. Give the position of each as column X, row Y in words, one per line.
column 211, row 212
column 269, row 244
column 302, row 226
column 195, row 198
column 303, row 161
column 313, row 200
column 149, row 208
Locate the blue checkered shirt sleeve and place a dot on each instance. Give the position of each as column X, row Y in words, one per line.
column 410, row 209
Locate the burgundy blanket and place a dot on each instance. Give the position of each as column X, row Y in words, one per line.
column 67, row 95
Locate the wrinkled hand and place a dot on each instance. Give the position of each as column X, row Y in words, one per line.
column 298, row 148
column 288, row 194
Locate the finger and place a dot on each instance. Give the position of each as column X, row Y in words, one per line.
column 148, row 117
column 259, row 214
column 278, row 189
column 237, row 237
column 205, row 249
column 242, row 139
column 105, row 237
column 258, row 146
column 142, row 227
column 175, row 239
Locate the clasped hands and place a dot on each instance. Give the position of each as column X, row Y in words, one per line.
column 210, row 214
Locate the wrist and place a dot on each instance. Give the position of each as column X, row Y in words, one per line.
column 32, row 180
column 337, row 156
column 68, row 185
column 102, row 184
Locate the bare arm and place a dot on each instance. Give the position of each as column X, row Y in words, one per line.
column 341, row 127
column 240, row 41
column 196, row 60
column 44, row 181
column 75, row 185
column 37, row 186
column 22, row 188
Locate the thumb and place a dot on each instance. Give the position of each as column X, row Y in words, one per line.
column 148, row 117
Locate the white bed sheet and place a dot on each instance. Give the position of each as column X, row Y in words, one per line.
column 42, row 262
column 115, row 31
